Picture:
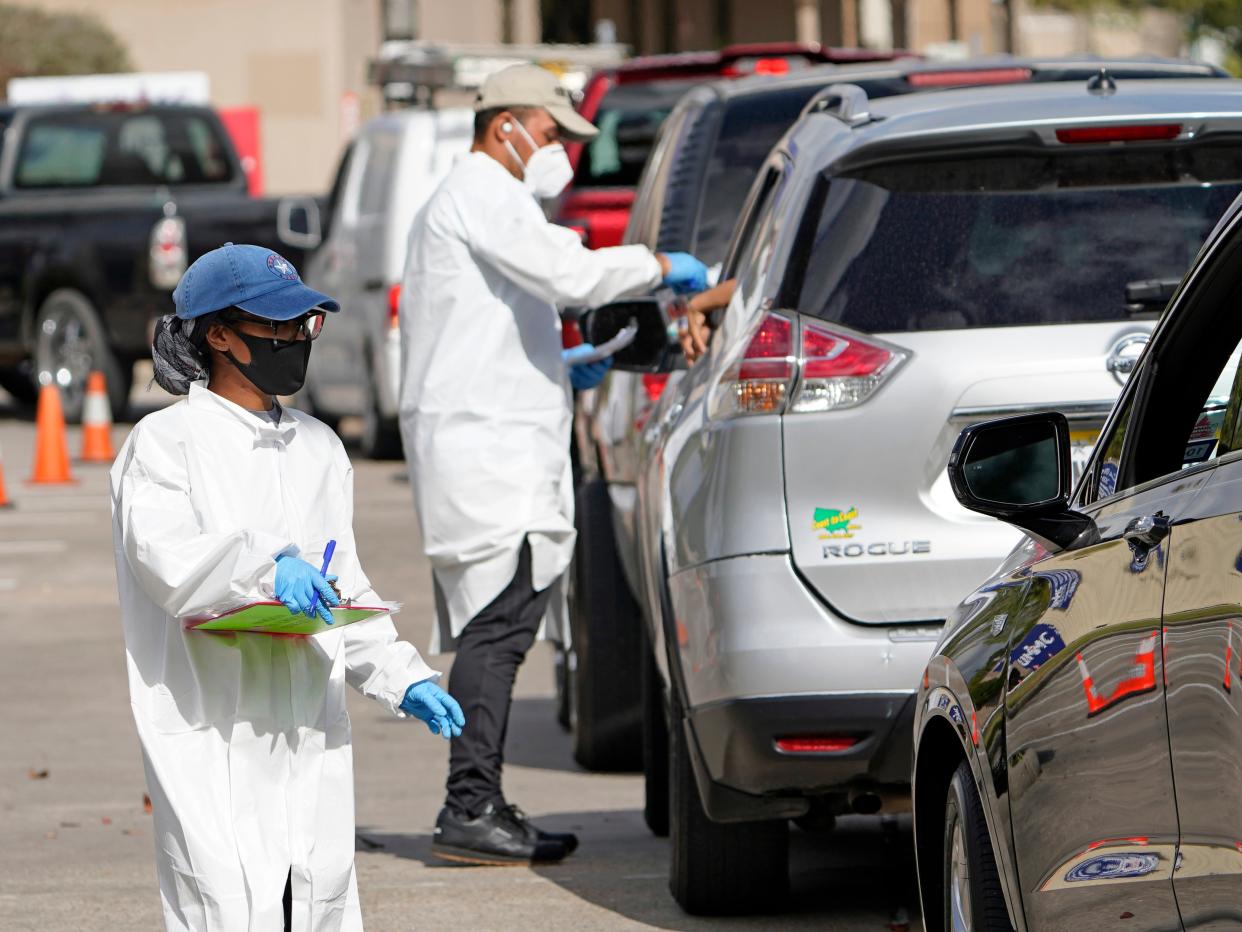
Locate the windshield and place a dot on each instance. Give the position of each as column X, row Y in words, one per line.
column 1004, row 242
column 142, row 148
column 628, row 118
column 752, row 125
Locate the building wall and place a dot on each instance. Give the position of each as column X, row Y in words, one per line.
column 295, row 60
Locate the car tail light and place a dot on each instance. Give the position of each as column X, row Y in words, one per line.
column 1142, row 132
column 394, row 305
column 571, row 334
column 816, row 744
column 758, row 382
column 840, row 370
column 167, row 253
column 653, row 385
column 765, row 64
column 964, row 77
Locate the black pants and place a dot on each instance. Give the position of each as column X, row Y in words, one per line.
column 490, row 650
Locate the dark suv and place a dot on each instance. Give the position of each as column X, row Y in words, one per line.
column 630, row 101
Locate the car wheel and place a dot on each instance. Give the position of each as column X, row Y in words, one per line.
column 655, row 748
column 70, row 343
column 717, row 868
column 381, row 437
column 561, row 674
column 973, row 899
column 606, row 630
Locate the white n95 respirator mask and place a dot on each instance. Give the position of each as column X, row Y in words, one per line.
column 547, row 171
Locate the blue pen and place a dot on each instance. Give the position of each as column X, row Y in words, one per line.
column 323, row 571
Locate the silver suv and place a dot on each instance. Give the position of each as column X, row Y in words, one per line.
column 905, row 267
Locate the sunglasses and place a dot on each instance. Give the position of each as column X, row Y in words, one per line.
column 284, row 332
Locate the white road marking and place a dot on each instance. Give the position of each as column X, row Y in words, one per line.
column 18, row 547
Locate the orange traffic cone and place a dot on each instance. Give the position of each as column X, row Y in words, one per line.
column 4, row 496
column 51, row 463
column 96, row 422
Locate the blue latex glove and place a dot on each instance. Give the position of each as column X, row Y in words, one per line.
column 584, row 375
column 296, row 584
column 686, row 274
column 428, row 703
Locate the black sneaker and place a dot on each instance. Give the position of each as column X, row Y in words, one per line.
column 492, row 838
column 567, row 839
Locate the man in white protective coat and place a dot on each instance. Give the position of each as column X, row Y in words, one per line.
column 485, row 414
column 221, row 500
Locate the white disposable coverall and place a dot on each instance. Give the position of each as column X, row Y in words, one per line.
column 485, row 399
column 245, row 737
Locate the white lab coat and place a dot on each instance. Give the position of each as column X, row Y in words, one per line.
column 485, row 399
column 245, row 737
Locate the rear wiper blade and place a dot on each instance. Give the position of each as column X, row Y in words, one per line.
column 1150, row 294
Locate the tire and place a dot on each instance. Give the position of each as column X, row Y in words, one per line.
column 20, row 383
column 655, row 748
column 561, row 675
column 381, row 437
column 70, row 340
column 606, row 700
column 715, row 868
column 973, row 899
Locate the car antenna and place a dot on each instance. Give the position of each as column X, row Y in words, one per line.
column 1102, row 84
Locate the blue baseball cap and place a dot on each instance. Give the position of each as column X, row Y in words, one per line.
column 253, row 278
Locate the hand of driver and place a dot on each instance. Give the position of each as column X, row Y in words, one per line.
column 297, row 582
column 428, row 703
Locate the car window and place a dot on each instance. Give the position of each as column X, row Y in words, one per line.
column 338, row 184
column 1183, row 407
column 629, row 117
column 755, row 206
column 1014, row 241
column 80, row 149
column 752, row 125
column 642, row 225
column 377, row 174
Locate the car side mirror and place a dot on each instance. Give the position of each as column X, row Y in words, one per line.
column 298, row 222
column 1018, row 469
column 651, row 343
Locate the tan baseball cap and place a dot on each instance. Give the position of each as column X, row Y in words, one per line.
column 532, row 86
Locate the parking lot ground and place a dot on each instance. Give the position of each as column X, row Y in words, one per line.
column 77, row 847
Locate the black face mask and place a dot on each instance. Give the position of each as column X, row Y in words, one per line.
column 274, row 368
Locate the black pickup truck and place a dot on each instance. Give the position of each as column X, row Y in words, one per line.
column 101, row 209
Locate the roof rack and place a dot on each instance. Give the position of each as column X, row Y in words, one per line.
column 414, row 71
column 847, row 102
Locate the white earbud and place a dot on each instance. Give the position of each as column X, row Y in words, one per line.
column 506, row 127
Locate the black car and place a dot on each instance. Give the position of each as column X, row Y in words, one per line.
column 1078, row 731
column 101, row 209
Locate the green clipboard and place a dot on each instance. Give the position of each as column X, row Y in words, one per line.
column 273, row 618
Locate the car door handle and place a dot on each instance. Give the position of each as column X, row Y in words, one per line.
column 1147, row 531
column 373, row 284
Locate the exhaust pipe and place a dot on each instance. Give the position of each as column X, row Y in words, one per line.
column 872, row 801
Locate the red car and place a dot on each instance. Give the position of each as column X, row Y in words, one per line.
column 629, row 102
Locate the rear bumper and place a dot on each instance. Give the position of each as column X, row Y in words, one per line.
column 761, row 659
column 737, row 742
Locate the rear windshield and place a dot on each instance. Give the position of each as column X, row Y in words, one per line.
column 143, row 148
column 628, row 118
column 1005, row 241
column 752, row 125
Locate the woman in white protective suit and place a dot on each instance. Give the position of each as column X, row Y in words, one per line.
column 223, row 499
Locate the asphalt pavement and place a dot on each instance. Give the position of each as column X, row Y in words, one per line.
column 76, row 848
